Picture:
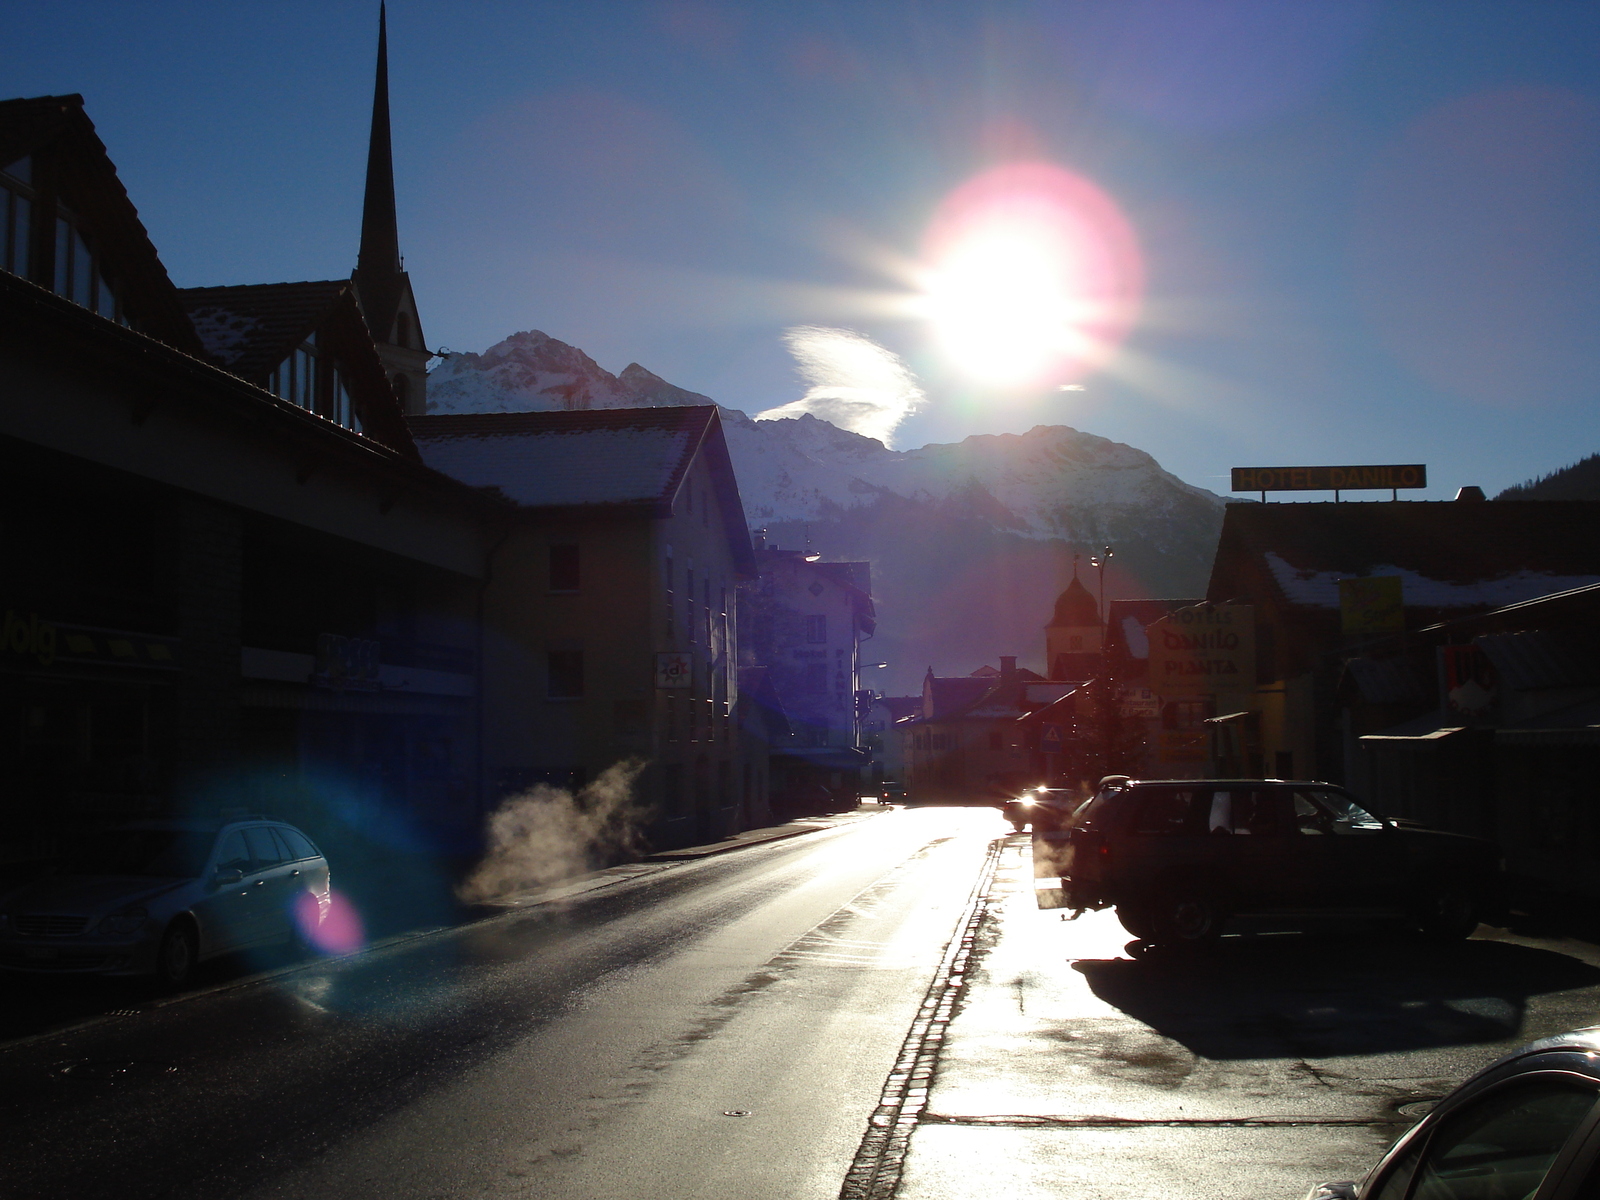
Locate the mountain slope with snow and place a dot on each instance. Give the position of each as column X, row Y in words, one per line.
column 970, row 541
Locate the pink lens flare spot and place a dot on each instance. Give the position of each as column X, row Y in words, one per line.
column 331, row 923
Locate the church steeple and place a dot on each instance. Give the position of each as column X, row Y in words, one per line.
column 379, row 260
column 382, row 287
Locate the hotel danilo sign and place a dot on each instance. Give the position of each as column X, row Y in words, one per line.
column 1329, row 479
column 1205, row 649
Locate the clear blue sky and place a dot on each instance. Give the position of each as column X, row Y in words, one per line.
column 1368, row 230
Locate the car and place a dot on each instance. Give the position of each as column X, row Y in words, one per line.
column 157, row 897
column 1041, row 807
column 1178, row 858
column 1527, row 1127
column 890, row 792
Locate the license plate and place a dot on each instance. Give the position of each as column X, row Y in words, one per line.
column 39, row 952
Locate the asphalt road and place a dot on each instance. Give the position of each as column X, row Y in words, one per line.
column 752, row 1025
column 721, row 1027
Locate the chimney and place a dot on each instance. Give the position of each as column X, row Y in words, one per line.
column 1470, row 492
column 1008, row 666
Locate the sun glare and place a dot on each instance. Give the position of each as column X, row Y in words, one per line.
column 1032, row 275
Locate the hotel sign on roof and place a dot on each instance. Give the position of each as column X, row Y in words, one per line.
column 1328, row 479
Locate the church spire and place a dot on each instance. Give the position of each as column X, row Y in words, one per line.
column 380, row 231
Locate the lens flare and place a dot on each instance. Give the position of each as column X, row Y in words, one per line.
column 1032, row 273
column 330, row 924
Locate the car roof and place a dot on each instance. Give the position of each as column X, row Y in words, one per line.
column 1229, row 782
column 194, row 824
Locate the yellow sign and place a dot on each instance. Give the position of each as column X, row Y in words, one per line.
column 1203, row 650
column 1372, row 605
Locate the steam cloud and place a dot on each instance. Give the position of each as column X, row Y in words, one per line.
column 856, row 384
column 547, row 834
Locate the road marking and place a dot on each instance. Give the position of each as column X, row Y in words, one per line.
column 1027, row 1121
column 880, row 1159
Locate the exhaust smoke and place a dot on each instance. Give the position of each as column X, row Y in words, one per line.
column 548, row 834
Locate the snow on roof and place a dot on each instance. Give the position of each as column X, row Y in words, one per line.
column 610, row 456
column 1320, row 589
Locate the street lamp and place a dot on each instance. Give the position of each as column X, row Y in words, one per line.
column 1099, row 562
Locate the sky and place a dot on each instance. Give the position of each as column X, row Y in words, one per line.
column 1227, row 232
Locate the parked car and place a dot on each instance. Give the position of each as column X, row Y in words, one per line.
column 1178, row 858
column 1525, row 1128
column 1042, row 808
column 157, row 897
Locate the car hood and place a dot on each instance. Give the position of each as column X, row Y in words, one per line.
column 85, row 895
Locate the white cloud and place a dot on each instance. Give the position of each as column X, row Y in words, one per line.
column 856, row 384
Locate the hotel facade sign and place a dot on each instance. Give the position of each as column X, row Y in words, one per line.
column 1329, row 479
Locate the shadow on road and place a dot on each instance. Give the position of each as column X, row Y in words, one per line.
column 1323, row 997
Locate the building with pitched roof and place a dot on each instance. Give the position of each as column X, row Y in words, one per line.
column 1295, row 563
column 230, row 580
column 614, row 595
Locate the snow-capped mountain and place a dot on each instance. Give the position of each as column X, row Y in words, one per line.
column 970, row 542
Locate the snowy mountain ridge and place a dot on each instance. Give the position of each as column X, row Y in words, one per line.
column 1052, row 482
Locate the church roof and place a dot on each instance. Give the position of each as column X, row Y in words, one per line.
column 1075, row 608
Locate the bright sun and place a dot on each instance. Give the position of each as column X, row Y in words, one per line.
column 1033, row 275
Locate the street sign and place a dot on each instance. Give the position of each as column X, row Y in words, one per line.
column 1329, row 479
column 1050, row 739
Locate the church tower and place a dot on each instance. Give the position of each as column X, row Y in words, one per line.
column 383, row 288
column 1074, row 638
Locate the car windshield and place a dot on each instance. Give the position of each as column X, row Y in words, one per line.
column 1348, row 816
column 166, row 853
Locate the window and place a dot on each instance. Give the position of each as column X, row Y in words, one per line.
column 1329, row 812
column 1261, row 813
column 666, row 573
column 312, row 379
column 688, row 576
column 1503, row 1144
column 672, row 789
column 816, row 630
column 1167, row 811
column 299, row 845
column 16, row 214
column 564, row 575
column 233, row 856
column 564, row 674
column 264, row 848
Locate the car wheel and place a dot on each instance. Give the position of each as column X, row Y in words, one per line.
column 1447, row 913
column 1186, row 916
column 1136, row 920
column 176, row 956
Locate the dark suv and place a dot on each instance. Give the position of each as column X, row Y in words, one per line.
column 1177, row 858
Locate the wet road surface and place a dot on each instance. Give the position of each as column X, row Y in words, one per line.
column 715, row 1028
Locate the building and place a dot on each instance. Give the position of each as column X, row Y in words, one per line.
column 230, row 580
column 1075, row 637
column 805, row 621
column 1334, row 586
column 883, row 742
column 611, row 633
column 966, row 744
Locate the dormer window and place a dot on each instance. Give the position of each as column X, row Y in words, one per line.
column 16, row 215
column 78, row 274
column 312, row 380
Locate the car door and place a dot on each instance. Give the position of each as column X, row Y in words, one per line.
column 228, row 913
column 1501, row 1145
column 1348, row 858
column 273, row 882
column 306, row 869
column 1248, row 841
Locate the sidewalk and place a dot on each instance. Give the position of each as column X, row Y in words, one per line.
column 1045, row 1089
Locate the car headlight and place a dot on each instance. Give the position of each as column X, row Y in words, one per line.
column 129, row 920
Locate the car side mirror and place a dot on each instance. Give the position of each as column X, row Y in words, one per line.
column 227, row 878
column 1342, row 1190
